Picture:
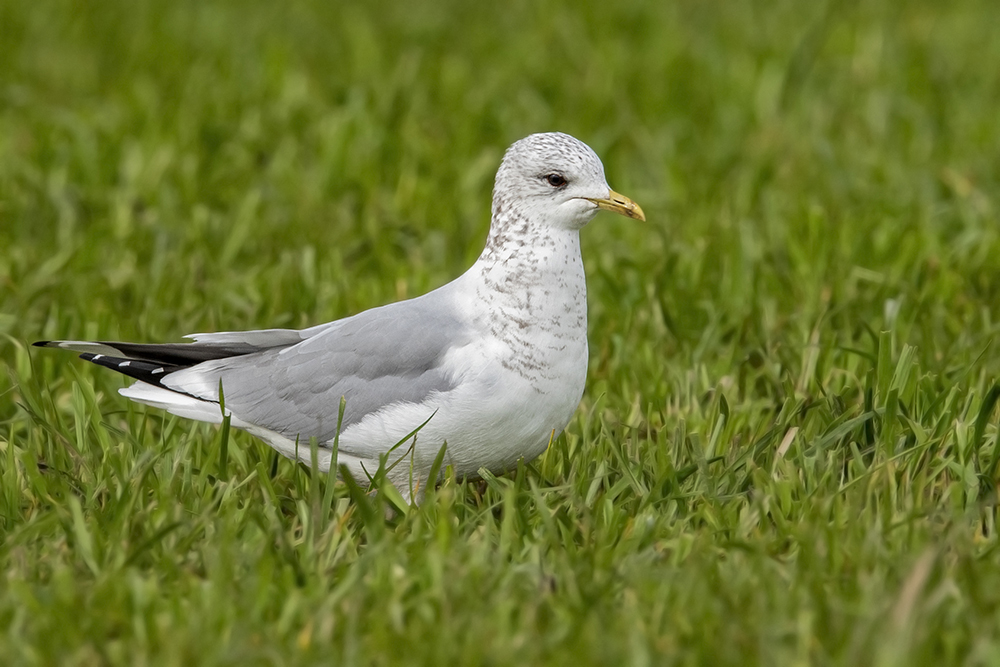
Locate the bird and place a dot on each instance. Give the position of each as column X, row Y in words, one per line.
column 490, row 367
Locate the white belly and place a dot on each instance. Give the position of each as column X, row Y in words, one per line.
column 493, row 418
column 488, row 421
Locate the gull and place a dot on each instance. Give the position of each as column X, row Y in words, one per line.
column 490, row 367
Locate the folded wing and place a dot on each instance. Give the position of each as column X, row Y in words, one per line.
column 291, row 382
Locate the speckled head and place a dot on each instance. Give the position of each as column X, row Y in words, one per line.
column 555, row 180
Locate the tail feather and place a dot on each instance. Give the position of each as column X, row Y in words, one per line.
column 152, row 363
column 149, row 363
column 174, row 354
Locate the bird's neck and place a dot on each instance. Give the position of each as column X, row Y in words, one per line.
column 533, row 278
column 519, row 255
column 527, row 294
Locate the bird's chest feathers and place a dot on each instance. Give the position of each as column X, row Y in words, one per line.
column 536, row 301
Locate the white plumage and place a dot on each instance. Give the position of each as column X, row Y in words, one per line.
column 493, row 363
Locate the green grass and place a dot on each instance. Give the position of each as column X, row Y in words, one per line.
column 787, row 451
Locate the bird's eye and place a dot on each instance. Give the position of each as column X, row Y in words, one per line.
column 556, row 180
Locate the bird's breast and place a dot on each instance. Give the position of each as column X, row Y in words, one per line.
column 539, row 326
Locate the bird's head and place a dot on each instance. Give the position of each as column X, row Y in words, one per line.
column 555, row 180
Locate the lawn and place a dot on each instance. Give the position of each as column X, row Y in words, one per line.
column 787, row 451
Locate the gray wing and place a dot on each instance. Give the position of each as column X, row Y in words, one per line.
column 381, row 356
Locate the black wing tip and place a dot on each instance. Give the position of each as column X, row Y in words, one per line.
column 150, row 372
column 43, row 343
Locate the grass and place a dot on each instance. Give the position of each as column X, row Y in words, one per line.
column 787, row 452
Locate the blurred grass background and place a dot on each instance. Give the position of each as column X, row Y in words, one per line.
column 787, row 450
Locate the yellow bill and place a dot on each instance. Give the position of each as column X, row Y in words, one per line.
column 620, row 204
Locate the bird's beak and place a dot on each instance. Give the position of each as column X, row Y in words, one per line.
column 619, row 204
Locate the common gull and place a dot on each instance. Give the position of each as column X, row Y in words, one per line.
column 490, row 366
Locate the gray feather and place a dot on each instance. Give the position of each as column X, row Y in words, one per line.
column 377, row 358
